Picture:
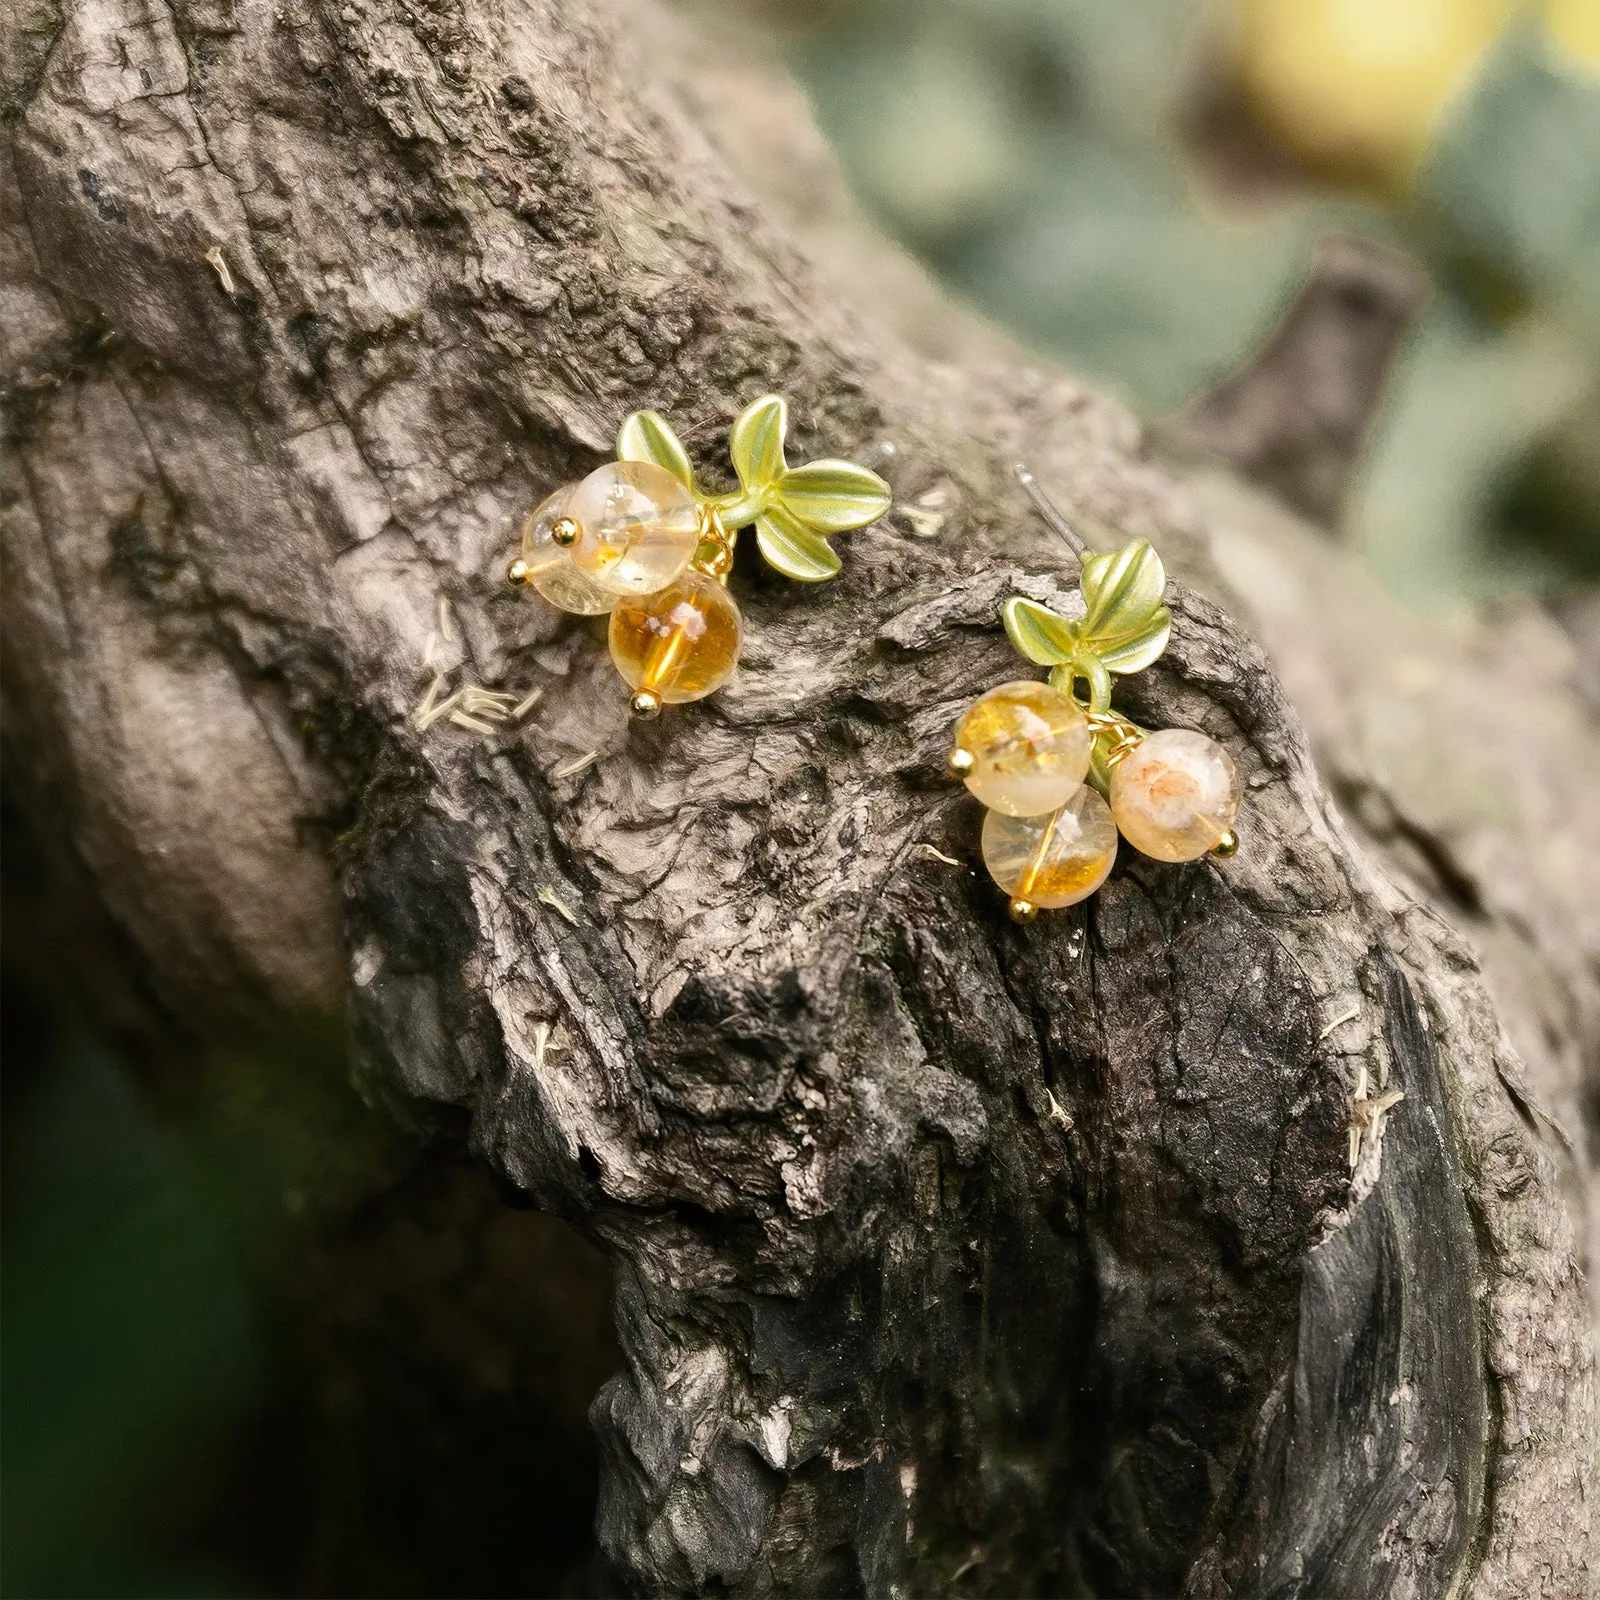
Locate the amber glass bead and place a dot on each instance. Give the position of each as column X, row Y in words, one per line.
column 1029, row 745
column 1175, row 795
column 638, row 527
column 548, row 567
column 1053, row 860
column 679, row 644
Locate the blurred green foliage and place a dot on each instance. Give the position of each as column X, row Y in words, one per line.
column 1090, row 173
column 1027, row 151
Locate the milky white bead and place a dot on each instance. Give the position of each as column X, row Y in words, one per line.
column 1175, row 795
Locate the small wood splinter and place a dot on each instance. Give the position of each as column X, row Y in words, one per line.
column 1367, row 1113
column 572, row 768
column 548, row 896
column 471, row 706
column 219, row 264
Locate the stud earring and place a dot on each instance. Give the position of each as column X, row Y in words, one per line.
column 639, row 539
column 1063, row 775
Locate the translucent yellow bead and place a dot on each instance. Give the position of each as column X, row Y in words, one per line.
column 638, row 527
column 1175, row 795
column 1054, row 860
column 679, row 644
column 548, row 567
column 1029, row 746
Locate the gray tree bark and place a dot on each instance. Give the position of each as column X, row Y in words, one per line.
column 949, row 1257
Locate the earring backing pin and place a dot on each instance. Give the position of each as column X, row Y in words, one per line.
column 1047, row 509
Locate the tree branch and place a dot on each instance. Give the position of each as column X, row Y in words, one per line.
column 1297, row 417
column 947, row 1253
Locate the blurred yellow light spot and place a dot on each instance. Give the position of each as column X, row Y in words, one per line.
column 1576, row 23
column 1356, row 87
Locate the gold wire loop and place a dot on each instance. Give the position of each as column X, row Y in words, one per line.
column 1123, row 737
column 714, row 554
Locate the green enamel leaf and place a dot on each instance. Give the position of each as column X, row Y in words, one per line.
column 1039, row 633
column 1121, row 592
column 1135, row 651
column 646, row 436
column 793, row 549
column 832, row 496
column 756, row 442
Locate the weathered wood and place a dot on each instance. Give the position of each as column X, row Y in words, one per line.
column 949, row 1257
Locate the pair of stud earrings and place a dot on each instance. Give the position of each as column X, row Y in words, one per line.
column 1061, row 774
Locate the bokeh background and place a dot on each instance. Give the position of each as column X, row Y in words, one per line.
column 194, row 1402
column 1138, row 185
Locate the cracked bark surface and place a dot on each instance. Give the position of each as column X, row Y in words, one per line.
column 949, row 1257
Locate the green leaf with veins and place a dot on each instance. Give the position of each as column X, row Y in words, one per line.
column 1038, row 633
column 756, row 443
column 793, row 549
column 1125, row 625
column 796, row 508
column 1121, row 590
column 1134, row 651
column 647, row 436
column 833, row 496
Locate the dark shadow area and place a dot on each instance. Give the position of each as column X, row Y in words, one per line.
column 256, row 1342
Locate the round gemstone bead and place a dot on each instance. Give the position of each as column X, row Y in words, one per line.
column 1175, row 795
column 679, row 644
column 638, row 527
column 548, row 566
column 1053, row 860
column 1029, row 745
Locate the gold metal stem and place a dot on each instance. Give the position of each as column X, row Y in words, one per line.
column 1026, row 882
column 662, row 660
column 1123, row 737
